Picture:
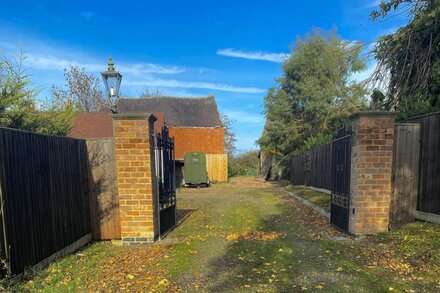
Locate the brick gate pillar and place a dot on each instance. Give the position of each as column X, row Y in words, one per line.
column 371, row 171
column 134, row 151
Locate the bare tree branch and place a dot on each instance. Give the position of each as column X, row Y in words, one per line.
column 83, row 90
column 151, row 93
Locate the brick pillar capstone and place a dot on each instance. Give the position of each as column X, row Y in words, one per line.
column 134, row 149
column 371, row 171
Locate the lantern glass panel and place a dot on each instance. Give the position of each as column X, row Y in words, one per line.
column 112, row 80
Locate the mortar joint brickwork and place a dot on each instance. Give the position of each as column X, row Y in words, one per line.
column 135, row 177
column 371, row 170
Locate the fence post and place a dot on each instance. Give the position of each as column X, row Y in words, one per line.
column 135, row 165
column 371, row 172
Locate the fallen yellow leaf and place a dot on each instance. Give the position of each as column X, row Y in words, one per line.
column 130, row 277
column 164, row 282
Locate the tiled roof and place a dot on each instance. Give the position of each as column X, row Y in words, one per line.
column 179, row 112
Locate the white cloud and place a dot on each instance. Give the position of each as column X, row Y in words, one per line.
column 55, row 63
column 46, row 62
column 42, row 56
column 241, row 116
column 181, row 93
column 150, row 68
column 51, row 61
column 172, row 83
column 257, row 55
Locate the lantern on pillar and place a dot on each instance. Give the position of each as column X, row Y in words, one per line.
column 112, row 80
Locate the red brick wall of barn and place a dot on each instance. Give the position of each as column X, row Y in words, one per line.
column 207, row 140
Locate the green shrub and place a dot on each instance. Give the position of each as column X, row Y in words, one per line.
column 245, row 164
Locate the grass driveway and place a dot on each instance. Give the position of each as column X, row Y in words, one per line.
column 249, row 236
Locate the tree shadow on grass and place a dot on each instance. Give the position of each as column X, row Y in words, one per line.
column 298, row 260
column 183, row 214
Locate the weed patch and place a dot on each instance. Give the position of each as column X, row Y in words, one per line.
column 320, row 199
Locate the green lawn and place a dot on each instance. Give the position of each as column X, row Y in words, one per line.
column 247, row 236
column 320, row 199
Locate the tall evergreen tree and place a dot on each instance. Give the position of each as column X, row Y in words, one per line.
column 315, row 95
column 19, row 108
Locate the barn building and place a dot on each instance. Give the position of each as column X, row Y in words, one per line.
column 195, row 124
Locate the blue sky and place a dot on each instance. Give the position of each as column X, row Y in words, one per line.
column 232, row 49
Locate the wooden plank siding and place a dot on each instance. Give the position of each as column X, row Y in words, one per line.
column 217, row 167
column 104, row 200
column 405, row 173
column 43, row 182
column 313, row 168
column 429, row 168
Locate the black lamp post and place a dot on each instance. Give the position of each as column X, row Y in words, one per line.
column 112, row 79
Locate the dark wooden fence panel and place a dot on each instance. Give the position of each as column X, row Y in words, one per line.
column 405, row 173
column 429, row 171
column 313, row 168
column 321, row 172
column 44, row 189
column 297, row 173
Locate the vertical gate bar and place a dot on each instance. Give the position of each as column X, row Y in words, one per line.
column 155, row 141
column 341, row 160
column 166, row 180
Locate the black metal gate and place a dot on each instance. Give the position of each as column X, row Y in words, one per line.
column 341, row 152
column 166, row 180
